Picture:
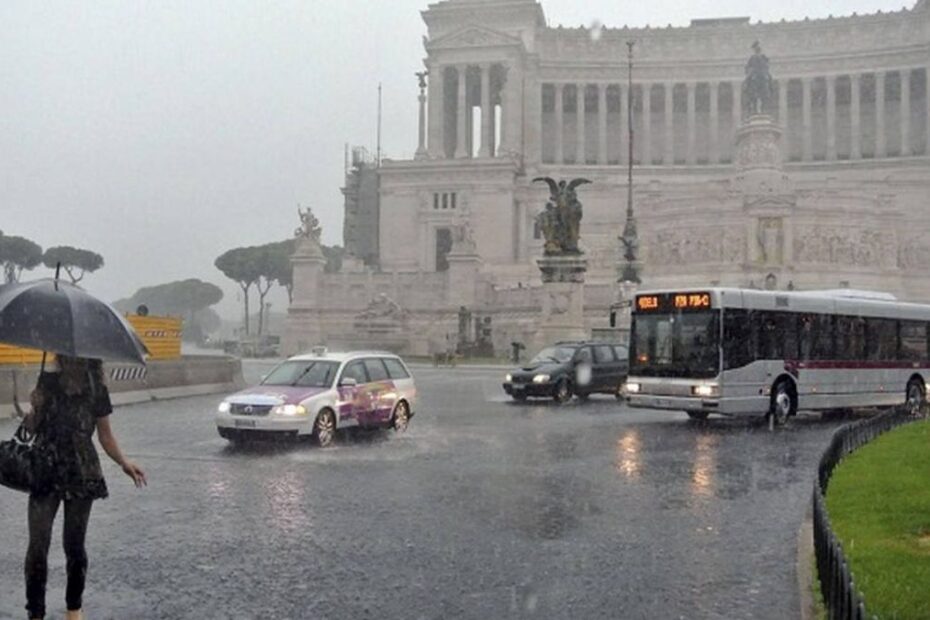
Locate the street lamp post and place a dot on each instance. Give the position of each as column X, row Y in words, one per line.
column 629, row 238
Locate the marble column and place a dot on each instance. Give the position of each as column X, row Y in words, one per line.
column 855, row 116
column 461, row 142
column 905, row 113
column 580, row 125
column 668, row 156
column 714, row 143
column 646, row 140
column 559, row 120
column 881, row 144
column 783, row 85
column 808, row 153
column 421, row 125
column 737, row 90
column 507, row 114
column 831, row 118
column 602, row 124
column 692, row 123
column 487, row 112
column 624, row 124
column 927, row 111
column 437, row 111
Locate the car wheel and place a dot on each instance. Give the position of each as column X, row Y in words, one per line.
column 697, row 415
column 563, row 391
column 784, row 404
column 401, row 418
column 916, row 397
column 324, row 428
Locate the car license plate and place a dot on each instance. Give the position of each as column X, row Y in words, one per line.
column 518, row 388
column 245, row 423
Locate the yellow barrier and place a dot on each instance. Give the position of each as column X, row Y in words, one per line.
column 161, row 335
column 10, row 355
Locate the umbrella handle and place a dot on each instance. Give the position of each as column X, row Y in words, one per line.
column 19, row 410
column 42, row 368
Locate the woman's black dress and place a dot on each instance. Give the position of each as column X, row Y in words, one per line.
column 67, row 426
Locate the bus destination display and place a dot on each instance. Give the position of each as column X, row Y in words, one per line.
column 668, row 302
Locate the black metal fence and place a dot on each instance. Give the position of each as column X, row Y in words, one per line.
column 841, row 597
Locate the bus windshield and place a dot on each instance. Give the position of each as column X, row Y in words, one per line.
column 676, row 344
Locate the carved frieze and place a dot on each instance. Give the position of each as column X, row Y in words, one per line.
column 851, row 247
column 696, row 247
column 914, row 253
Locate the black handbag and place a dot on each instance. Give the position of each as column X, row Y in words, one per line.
column 25, row 465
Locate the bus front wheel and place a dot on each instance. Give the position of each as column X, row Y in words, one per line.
column 916, row 396
column 784, row 403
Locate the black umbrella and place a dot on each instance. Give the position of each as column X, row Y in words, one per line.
column 51, row 315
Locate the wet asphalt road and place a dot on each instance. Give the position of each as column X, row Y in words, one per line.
column 483, row 509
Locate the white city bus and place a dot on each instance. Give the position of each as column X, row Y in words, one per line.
column 751, row 352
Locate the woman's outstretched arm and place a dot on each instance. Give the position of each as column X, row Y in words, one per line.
column 111, row 447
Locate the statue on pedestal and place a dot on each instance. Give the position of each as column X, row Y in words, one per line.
column 309, row 226
column 758, row 87
column 560, row 222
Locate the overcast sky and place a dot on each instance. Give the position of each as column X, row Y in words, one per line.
column 161, row 133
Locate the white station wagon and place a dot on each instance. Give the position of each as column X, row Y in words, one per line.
column 316, row 394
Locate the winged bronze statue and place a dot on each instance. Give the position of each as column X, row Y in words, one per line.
column 560, row 221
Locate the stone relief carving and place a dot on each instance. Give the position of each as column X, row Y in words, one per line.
column 680, row 247
column 560, row 302
column 914, row 253
column 383, row 307
column 770, row 238
column 861, row 248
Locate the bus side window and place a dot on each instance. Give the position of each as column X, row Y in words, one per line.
column 850, row 338
column 737, row 338
column 822, row 332
column 881, row 339
column 913, row 341
column 806, row 337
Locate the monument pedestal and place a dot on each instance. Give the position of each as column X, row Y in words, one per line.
column 562, row 299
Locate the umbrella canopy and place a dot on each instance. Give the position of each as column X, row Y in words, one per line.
column 51, row 315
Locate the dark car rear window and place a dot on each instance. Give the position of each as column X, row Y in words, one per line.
column 623, row 353
column 603, row 354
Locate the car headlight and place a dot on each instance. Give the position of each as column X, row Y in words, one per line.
column 224, row 407
column 707, row 390
column 508, row 378
column 541, row 379
column 289, row 410
column 632, row 388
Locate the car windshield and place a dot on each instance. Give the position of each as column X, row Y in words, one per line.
column 303, row 374
column 554, row 354
column 676, row 345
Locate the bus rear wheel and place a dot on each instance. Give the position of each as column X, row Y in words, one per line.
column 784, row 404
column 916, row 397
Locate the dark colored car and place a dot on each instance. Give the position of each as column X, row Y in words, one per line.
column 570, row 368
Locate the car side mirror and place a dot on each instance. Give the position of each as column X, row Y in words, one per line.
column 348, row 382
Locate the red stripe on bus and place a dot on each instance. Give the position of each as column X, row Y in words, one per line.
column 854, row 365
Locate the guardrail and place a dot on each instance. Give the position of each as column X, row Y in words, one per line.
column 840, row 594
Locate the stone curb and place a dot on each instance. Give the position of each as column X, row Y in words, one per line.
column 143, row 396
column 805, row 573
column 423, row 366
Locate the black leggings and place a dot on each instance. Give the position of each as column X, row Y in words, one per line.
column 42, row 511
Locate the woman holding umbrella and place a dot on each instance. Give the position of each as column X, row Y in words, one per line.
column 68, row 407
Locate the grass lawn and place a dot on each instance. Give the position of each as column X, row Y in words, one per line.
column 879, row 505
